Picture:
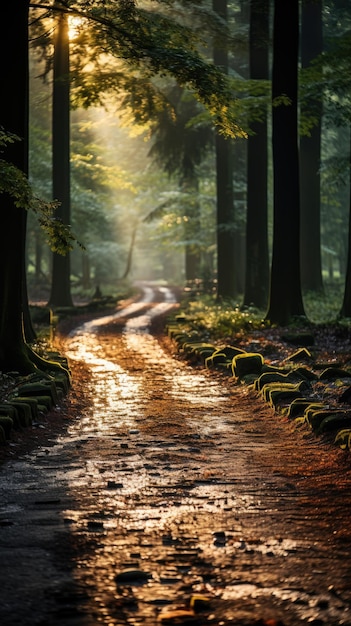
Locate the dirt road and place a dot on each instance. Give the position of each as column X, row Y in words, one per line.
column 175, row 497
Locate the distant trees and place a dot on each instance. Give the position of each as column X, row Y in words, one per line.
column 179, row 147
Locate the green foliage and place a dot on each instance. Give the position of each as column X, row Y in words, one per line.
column 324, row 307
column 221, row 319
column 120, row 46
column 15, row 183
column 328, row 78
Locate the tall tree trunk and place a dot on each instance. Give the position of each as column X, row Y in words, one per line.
column 130, row 253
column 285, row 300
column 14, row 118
column 345, row 310
column 257, row 260
column 60, row 287
column 190, row 184
column 226, row 283
column 38, row 256
column 86, row 281
column 310, row 153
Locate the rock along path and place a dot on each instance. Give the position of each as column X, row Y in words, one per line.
column 176, row 497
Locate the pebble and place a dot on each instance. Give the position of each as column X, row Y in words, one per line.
column 132, row 576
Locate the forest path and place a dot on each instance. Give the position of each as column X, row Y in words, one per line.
column 175, row 497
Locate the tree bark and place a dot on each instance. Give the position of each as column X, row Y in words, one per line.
column 60, row 287
column 226, row 282
column 14, row 118
column 190, row 184
column 285, row 300
column 345, row 310
column 310, row 154
column 257, row 259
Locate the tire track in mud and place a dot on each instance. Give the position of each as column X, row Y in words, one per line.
column 175, row 483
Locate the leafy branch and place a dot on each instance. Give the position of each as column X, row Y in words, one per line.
column 15, row 184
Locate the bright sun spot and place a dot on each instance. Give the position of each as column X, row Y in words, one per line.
column 75, row 24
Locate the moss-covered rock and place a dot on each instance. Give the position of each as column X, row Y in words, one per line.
column 247, row 363
column 2, row 436
column 7, row 409
column 315, row 417
column 343, row 439
column 272, row 377
column 333, row 373
column 24, row 413
column 37, row 389
column 299, row 406
column 302, row 355
column 6, row 424
column 29, row 401
column 335, row 422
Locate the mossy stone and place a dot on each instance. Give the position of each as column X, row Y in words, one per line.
column 333, row 373
column 7, row 409
column 333, row 423
column 247, row 363
column 6, row 424
column 24, row 412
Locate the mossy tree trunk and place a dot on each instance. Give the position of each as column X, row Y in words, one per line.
column 285, row 299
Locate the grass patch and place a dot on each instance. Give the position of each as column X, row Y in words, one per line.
column 224, row 319
column 219, row 319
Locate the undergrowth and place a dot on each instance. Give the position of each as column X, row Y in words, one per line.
column 220, row 319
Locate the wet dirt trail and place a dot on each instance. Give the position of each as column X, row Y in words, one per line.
column 176, row 497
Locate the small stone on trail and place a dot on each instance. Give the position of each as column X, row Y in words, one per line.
column 92, row 525
column 111, row 484
column 130, row 576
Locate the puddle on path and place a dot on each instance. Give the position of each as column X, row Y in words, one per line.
column 160, row 485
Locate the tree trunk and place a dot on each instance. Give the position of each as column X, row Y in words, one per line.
column 38, row 256
column 190, row 184
column 257, row 260
column 226, row 283
column 60, row 287
column 86, row 281
column 192, row 248
column 346, row 304
column 130, row 253
column 14, row 118
column 285, row 300
column 310, row 154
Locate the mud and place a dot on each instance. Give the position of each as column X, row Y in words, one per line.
column 174, row 497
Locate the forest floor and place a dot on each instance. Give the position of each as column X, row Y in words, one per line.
column 190, row 503
column 331, row 346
